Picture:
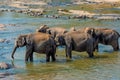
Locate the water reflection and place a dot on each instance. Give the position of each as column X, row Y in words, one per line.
column 102, row 67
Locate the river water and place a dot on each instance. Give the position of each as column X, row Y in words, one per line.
column 104, row 66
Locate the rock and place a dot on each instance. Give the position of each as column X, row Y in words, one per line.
column 2, row 40
column 5, row 41
column 107, row 18
column 4, row 65
column 2, row 25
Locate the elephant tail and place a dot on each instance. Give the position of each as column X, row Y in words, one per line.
column 117, row 33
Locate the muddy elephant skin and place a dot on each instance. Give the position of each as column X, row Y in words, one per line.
column 108, row 37
column 36, row 42
column 76, row 41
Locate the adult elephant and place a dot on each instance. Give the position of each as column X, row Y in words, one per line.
column 74, row 40
column 36, row 42
column 53, row 31
column 108, row 37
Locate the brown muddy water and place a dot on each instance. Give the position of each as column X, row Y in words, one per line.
column 104, row 66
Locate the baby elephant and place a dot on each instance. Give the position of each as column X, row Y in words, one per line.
column 36, row 42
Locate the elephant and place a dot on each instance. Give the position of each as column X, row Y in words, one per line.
column 74, row 40
column 36, row 42
column 53, row 31
column 106, row 36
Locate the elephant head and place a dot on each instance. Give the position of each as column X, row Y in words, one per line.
column 43, row 29
column 20, row 42
column 60, row 39
column 91, row 31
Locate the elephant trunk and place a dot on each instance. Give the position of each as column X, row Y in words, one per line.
column 13, row 52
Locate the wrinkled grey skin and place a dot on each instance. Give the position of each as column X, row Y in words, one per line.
column 74, row 40
column 53, row 31
column 105, row 36
column 108, row 37
column 90, row 31
column 36, row 42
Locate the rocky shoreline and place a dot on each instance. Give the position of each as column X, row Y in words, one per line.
column 75, row 14
column 22, row 7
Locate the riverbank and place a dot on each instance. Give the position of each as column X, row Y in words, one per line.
column 82, row 10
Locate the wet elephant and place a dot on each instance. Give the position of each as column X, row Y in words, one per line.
column 36, row 42
column 105, row 36
column 74, row 40
column 53, row 31
column 108, row 37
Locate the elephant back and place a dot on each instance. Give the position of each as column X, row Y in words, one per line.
column 39, row 36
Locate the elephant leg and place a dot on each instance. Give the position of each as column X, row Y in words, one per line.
column 48, row 57
column 29, row 53
column 90, row 52
column 31, row 57
column 53, row 53
column 96, row 48
column 53, row 57
column 115, row 45
column 68, row 52
column 26, row 56
column 91, row 55
column 90, row 49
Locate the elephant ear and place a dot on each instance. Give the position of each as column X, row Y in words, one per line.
column 91, row 31
column 20, row 41
column 42, row 28
column 51, row 32
column 68, row 40
column 48, row 31
column 28, row 40
column 23, row 40
column 60, row 39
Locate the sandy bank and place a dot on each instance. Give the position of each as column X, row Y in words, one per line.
column 105, row 0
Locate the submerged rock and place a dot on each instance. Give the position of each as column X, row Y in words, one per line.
column 4, row 65
column 2, row 27
column 5, row 41
column 2, row 40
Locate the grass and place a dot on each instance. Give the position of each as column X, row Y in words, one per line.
column 92, row 7
column 110, row 11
